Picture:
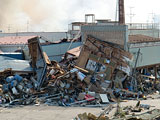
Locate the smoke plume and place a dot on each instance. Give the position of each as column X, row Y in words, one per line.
column 50, row 15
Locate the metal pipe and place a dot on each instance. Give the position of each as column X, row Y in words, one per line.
column 121, row 12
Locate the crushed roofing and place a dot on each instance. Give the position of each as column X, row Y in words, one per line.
column 142, row 39
column 16, row 65
column 12, row 40
column 75, row 51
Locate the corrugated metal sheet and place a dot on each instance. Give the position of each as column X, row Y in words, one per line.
column 12, row 48
column 56, row 51
column 147, row 56
column 16, row 65
column 14, row 55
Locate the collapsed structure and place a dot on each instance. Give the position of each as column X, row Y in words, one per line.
column 68, row 84
column 111, row 63
column 108, row 65
column 97, row 72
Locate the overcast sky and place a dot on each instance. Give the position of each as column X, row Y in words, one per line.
column 55, row 15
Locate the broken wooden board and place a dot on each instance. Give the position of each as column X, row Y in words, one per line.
column 38, row 60
column 96, row 51
column 46, row 58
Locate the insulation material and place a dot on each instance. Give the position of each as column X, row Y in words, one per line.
column 104, row 98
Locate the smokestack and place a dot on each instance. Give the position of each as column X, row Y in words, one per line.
column 121, row 12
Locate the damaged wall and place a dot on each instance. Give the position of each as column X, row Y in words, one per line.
column 149, row 50
column 100, row 56
column 148, row 56
column 59, row 49
column 112, row 33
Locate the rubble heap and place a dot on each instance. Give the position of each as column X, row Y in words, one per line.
column 99, row 75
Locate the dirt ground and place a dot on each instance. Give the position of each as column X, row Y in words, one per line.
column 44, row 112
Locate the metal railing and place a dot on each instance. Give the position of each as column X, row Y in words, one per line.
column 143, row 25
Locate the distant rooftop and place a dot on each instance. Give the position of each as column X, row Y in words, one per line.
column 142, row 38
column 143, row 26
column 49, row 36
column 9, row 40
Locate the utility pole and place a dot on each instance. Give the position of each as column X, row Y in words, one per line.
column 27, row 25
column 121, row 12
column 9, row 28
column 153, row 17
column 131, row 15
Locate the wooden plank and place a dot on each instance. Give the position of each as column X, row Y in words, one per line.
column 83, row 58
column 86, row 71
column 46, row 58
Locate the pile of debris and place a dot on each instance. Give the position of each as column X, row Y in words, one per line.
column 98, row 75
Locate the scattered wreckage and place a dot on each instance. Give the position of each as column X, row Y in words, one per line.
column 91, row 75
column 125, row 113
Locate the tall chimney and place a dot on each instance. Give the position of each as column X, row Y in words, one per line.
column 121, row 12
